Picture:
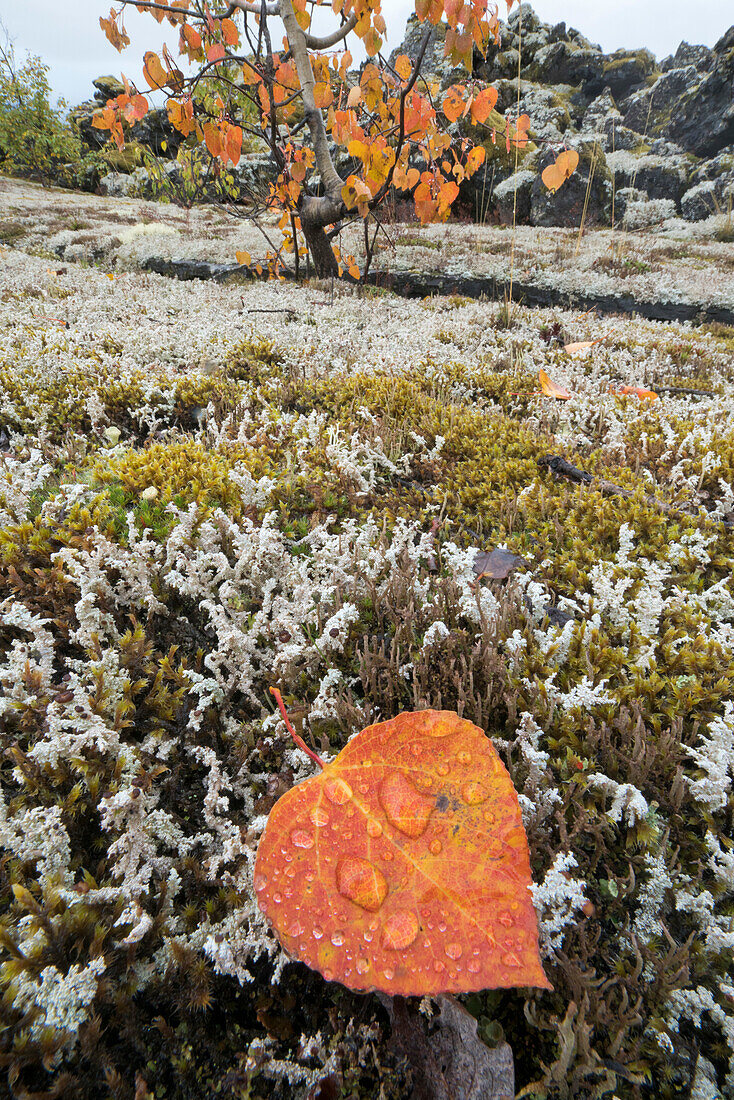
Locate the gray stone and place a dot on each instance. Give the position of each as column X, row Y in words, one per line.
column 546, row 106
column 117, row 185
column 511, row 198
column 651, row 109
column 108, row 87
column 708, row 198
column 699, row 56
column 625, row 69
column 566, row 63
column 660, row 177
column 578, row 198
column 704, row 121
column 155, row 131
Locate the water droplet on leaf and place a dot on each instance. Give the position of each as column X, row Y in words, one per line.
column 435, row 847
column 474, row 793
column 405, row 807
column 301, row 838
column 319, row 817
column 361, row 882
column 362, row 966
column 337, row 938
column 373, row 827
column 453, row 950
column 260, row 882
column 337, row 791
column 399, row 930
column 317, row 932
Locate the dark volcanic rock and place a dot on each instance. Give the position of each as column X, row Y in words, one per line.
column 564, row 63
column 704, row 121
column 625, row 69
column 567, row 205
column 155, row 131
column 651, row 109
column 660, row 177
column 699, row 56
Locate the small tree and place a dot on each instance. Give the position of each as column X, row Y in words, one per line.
column 392, row 122
column 35, row 139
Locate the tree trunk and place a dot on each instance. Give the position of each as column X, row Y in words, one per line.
column 316, row 214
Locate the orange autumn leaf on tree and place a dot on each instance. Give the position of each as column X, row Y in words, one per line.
column 551, row 388
column 564, row 166
column 153, row 70
column 403, row 865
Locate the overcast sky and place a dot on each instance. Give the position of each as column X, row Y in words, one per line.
column 67, row 35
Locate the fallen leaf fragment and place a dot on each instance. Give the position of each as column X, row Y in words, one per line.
column 403, row 865
column 580, row 345
column 497, row 564
column 551, row 388
column 452, row 1061
column 644, row 395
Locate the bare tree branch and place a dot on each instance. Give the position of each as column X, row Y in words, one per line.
column 329, row 40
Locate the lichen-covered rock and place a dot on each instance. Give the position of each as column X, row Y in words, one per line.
column 660, row 177
column 707, row 198
column 699, row 56
column 547, row 107
column 118, row 185
column 652, row 109
column 704, row 120
column 626, row 69
column 566, row 63
column 511, row 198
column 586, row 196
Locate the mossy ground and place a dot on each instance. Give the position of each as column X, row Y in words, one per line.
column 156, row 583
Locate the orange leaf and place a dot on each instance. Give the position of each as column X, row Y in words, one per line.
column 118, row 38
column 153, row 71
column 229, row 32
column 568, row 162
column 643, row 395
column 453, row 104
column 582, row 345
column 552, row 177
column 403, row 866
column 243, row 257
column 403, row 66
column 216, row 52
column 552, row 389
column 482, row 103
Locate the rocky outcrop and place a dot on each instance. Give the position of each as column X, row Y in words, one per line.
column 651, row 122
column 659, row 134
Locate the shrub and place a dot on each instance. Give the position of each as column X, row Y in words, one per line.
column 35, row 138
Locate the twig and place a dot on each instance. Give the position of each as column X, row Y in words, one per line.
column 292, row 311
column 684, row 390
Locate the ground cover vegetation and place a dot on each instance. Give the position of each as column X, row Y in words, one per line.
column 202, row 499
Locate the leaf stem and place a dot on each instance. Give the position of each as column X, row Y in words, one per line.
column 298, row 740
